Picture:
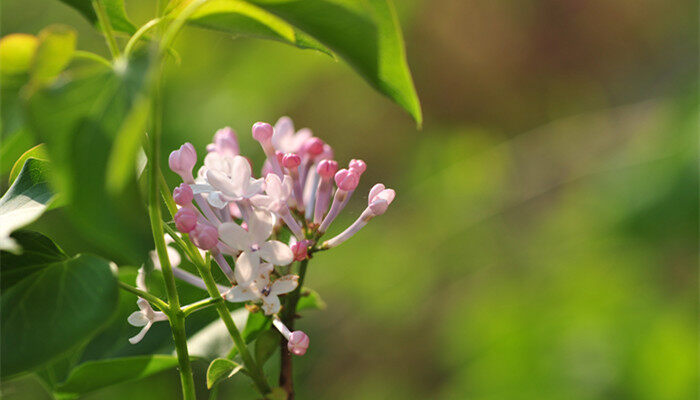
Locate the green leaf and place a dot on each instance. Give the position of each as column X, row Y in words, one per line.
column 55, row 51
column 265, row 346
column 366, row 34
column 95, row 375
column 38, row 251
column 16, row 53
column 310, row 300
column 38, row 152
column 241, row 18
column 24, row 201
column 79, row 119
column 122, row 160
column 220, row 369
column 53, row 311
column 115, row 12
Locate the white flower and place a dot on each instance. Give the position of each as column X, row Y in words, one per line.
column 253, row 242
column 260, row 288
column 145, row 317
column 285, row 139
column 278, row 192
column 173, row 255
column 225, row 179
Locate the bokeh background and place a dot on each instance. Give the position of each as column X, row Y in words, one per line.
column 543, row 244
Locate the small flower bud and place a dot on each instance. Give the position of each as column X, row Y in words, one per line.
column 185, row 219
column 347, row 180
column 204, row 236
column 290, row 160
column 379, row 198
column 358, row 166
column 327, row 168
column 262, row 131
column 183, row 194
column 298, row 343
column 313, row 146
column 301, row 250
column 225, row 142
column 182, row 161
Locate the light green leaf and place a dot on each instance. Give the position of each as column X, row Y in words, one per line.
column 38, row 152
column 53, row 311
column 220, row 369
column 38, row 251
column 79, row 120
column 55, row 51
column 115, row 12
column 95, row 375
column 24, row 201
column 265, row 346
column 310, row 300
column 238, row 17
column 366, row 34
column 122, row 160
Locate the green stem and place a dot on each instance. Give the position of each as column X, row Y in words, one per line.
column 163, row 306
column 176, row 317
column 86, row 55
column 200, row 305
column 139, row 34
column 250, row 365
column 103, row 19
column 289, row 312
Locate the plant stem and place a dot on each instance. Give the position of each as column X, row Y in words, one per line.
column 163, row 306
column 250, row 365
column 288, row 315
column 139, row 34
column 103, row 19
column 176, row 317
column 200, row 305
column 86, row 55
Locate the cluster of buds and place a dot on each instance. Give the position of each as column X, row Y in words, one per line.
column 226, row 211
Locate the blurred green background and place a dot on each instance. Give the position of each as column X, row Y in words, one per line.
column 543, row 243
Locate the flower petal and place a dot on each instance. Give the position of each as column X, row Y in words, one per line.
column 262, row 201
column 271, row 305
column 199, row 188
column 138, row 318
column 219, row 181
column 254, row 187
column 276, row 252
column 240, row 293
column 247, row 266
column 260, row 225
column 137, row 338
column 234, row 236
column 284, row 284
column 216, row 200
column 273, row 186
column 240, row 174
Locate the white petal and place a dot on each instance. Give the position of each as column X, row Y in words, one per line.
column 254, row 187
column 239, row 294
column 138, row 318
column 299, row 138
column 234, row 236
column 271, row 305
column 273, row 185
column 219, row 181
column 247, row 266
column 216, row 200
column 199, row 188
column 240, row 174
column 173, row 256
column 261, row 201
column 141, row 334
column 284, row 284
column 276, row 252
column 260, row 225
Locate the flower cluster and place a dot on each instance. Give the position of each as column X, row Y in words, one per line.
column 227, row 211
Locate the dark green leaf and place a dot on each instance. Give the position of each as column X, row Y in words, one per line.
column 366, row 34
column 114, row 9
column 79, row 120
column 220, row 369
column 38, row 251
column 54, row 310
column 24, row 201
column 38, row 152
column 266, row 344
column 310, row 300
column 94, row 375
column 238, row 17
column 55, row 51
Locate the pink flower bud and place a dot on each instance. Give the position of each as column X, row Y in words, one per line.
column 279, row 155
column 204, row 236
column 183, row 194
column 182, row 161
column 313, row 146
column 379, row 198
column 298, row 343
column 262, row 131
column 290, row 160
column 185, row 219
column 358, row 166
column 301, row 250
column 327, row 168
column 346, row 179
column 225, row 142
